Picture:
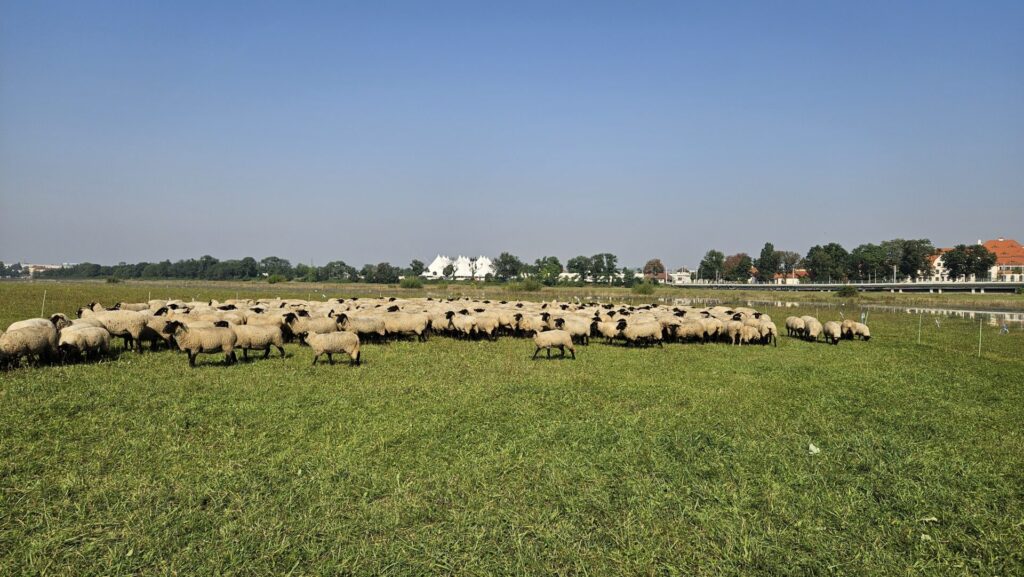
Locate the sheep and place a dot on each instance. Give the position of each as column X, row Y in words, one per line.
column 463, row 323
column 548, row 340
column 578, row 328
column 846, row 328
column 636, row 333
column 713, row 328
column 488, row 324
column 607, row 329
column 769, row 332
column 331, row 343
column 137, row 307
column 733, row 330
column 861, row 330
column 83, row 340
column 399, row 323
column 794, row 326
column 58, row 321
column 128, row 325
column 748, row 334
column 258, row 337
column 833, row 332
column 203, row 340
column 364, row 326
column 687, row 330
column 812, row 328
column 39, row 342
column 303, row 325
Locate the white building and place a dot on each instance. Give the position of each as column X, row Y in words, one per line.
column 464, row 268
column 681, row 276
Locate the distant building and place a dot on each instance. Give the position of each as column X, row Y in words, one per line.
column 34, row 269
column 1009, row 259
column 464, row 268
column 681, row 276
column 796, row 276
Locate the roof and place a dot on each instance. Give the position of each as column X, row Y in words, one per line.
column 1008, row 251
column 797, row 273
column 938, row 252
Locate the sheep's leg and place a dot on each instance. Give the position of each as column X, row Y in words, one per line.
column 280, row 349
column 191, row 359
column 266, row 352
column 573, row 351
column 549, row 352
column 561, row 348
column 330, row 358
column 245, row 354
column 535, row 353
column 359, row 358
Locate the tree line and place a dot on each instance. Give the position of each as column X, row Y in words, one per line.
column 886, row 261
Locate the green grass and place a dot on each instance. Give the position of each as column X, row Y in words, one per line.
column 467, row 458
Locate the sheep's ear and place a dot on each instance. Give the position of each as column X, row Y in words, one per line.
column 222, row 324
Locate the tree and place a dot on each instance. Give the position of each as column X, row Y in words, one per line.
column 416, row 267
column 654, row 268
column 368, row 273
column 274, row 265
column 915, row 261
column 712, row 265
column 384, row 273
column 507, row 266
column 866, row 261
column 337, row 271
column 628, row 277
column 963, row 261
column 768, row 263
column 547, row 269
column 580, row 266
column 982, row 261
column 737, row 267
column 448, row 270
column 957, row 262
column 604, row 266
column 827, row 263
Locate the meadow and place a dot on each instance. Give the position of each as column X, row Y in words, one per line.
column 467, row 458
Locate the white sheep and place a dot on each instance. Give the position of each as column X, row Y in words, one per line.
column 78, row 341
column 335, row 343
column 812, row 328
column 36, row 342
column 203, row 340
column 640, row 333
column 556, row 339
column 258, row 338
column 128, row 325
column 861, row 330
column 794, row 326
column 833, row 332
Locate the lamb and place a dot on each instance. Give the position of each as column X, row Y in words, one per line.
column 645, row 333
column 812, row 328
column 556, row 339
column 335, row 343
column 833, row 332
column 733, row 330
column 688, row 330
column 205, row 340
column 861, row 330
column 302, row 325
column 794, row 326
column 39, row 342
column 83, row 340
column 258, row 337
column 748, row 334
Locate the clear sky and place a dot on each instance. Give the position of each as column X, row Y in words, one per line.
column 377, row 131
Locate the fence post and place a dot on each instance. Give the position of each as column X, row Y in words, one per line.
column 919, row 317
column 43, row 308
column 981, row 323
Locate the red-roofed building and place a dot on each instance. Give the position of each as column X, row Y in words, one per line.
column 795, row 277
column 1009, row 259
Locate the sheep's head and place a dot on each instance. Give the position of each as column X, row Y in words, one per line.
column 559, row 323
column 160, row 312
column 449, row 314
column 172, row 306
column 737, row 317
column 393, row 309
column 545, row 316
column 464, row 312
column 519, row 305
column 680, row 314
column 302, row 313
column 222, row 324
column 391, row 299
column 342, row 319
column 563, row 307
column 173, row 326
column 289, row 318
column 757, row 315
column 621, row 325
column 257, row 310
column 227, row 307
column 479, row 310
column 80, row 311
column 518, row 317
column 117, row 306
column 60, row 321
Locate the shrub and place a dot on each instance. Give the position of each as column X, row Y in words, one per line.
column 411, row 282
column 276, row 278
column 113, row 280
column 527, row 285
column 847, row 292
column 644, row 288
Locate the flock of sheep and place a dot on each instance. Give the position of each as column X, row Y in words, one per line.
column 338, row 326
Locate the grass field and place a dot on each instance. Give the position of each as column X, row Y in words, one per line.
column 467, row 458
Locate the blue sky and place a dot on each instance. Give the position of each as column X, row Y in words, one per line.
column 391, row 131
